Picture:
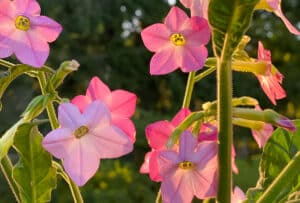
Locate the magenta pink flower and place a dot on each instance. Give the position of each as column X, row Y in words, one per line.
column 197, row 7
column 84, row 138
column 121, row 104
column 157, row 135
column 24, row 32
column 189, row 172
column 238, row 196
column 271, row 81
column 209, row 132
column 276, row 6
column 178, row 42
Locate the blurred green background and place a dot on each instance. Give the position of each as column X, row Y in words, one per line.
column 104, row 36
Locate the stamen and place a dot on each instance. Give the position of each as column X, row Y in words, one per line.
column 81, row 131
column 186, row 165
column 178, row 39
column 22, row 23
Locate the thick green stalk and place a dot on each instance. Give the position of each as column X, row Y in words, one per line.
column 287, row 175
column 224, row 117
column 50, row 108
column 6, row 168
column 189, row 90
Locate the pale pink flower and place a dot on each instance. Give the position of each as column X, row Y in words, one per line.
column 271, row 81
column 24, row 32
column 84, row 138
column 157, row 135
column 238, row 196
column 263, row 134
column 121, row 104
column 276, row 6
column 189, row 171
column 209, row 132
column 197, row 7
column 178, row 42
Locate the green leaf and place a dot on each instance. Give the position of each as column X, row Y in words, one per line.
column 33, row 173
column 7, row 140
column 229, row 20
column 277, row 153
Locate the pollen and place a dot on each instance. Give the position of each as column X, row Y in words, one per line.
column 186, row 165
column 177, row 39
column 81, row 131
column 22, row 23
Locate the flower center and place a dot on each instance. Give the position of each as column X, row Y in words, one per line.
column 81, row 131
column 177, row 39
column 22, row 23
column 186, row 165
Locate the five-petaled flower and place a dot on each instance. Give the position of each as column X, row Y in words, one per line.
column 189, row 171
column 25, row 33
column 271, row 80
column 178, row 42
column 84, row 138
column 121, row 104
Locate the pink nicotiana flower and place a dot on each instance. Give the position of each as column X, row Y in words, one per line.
column 276, row 8
column 84, row 138
column 262, row 134
column 238, row 196
column 189, row 171
column 157, row 135
column 209, row 132
column 197, row 7
column 25, row 33
column 271, row 81
column 121, row 104
column 178, row 42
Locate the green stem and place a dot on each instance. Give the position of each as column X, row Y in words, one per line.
column 6, row 64
column 73, row 187
column 189, row 90
column 50, row 108
column 202, row 75
column 158, row 197
column 224, row 118
column 286, row 176
column 6, row 168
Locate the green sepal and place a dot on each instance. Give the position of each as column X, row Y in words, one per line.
column 33, row 173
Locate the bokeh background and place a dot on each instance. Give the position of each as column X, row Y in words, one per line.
column 104, row 36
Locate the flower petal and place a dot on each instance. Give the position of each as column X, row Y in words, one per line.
column 154, row 172
column 156, row 37
column 193, row 58
column 180, row 116
column 97, row 89
column 175, row 19
column 126, row 125
column 205, row 152
column 145, row 166
column 122, row 103
column 57, row 142
column 111, row 142
column 81, row 102
column 165, row 61
column 27, row 7
column 69, row 116
column 187, row 144
column 199, row 34
column 261, row 136
column 47, row 28
column 29, row 48
column 6, row 30
column 158, row 133
column 167, row 163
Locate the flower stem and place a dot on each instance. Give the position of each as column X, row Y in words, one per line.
column 6, row 64
column 6, row 168
column 158, row 197
column 50, row 108
column 73, row 188
column 224, row 118
column 285, row 177
column 189, row 90
column 202, row 75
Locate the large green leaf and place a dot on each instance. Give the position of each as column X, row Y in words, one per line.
column 229, row 20
column 279, row 150
column 33, row 173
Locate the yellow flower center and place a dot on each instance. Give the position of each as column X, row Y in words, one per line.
column 186, row 165
column 22, row 23
column 81, row 131
column 177, row 39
